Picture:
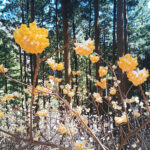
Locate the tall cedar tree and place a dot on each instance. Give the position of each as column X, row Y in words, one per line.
column 65, row 6
column 120, row 40
column 97, row 33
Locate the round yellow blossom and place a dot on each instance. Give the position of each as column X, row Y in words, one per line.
column 76, row 73
column 102, row 71
column 122, row 119
column 80, row 145
column 112, row 91
column 94, row 58
column 61, row 86
column 65, row 91
column 114, row 67
column 136, row 114
column 109, row 98
column 137, row 76
column 42, row 113
column 10, row 97
column 1, row 114
column 101, row 83
column 127, row 63
column 99, row 99
column 2, row 69
column 43, row 90
column 33, row 39
column 71, row 94
column 96, row 95
column 62, row 129
column 59, row 66
column 54, row 79
column 84, row 48
column 47, row 84
column 52, row 64
column 3, row 100
column 73, row 79
column 78, row 110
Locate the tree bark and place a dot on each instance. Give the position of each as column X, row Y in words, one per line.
column 97, row 33
column 114, row 32
column 125, row 27
column 67, row 66
column 120, row 40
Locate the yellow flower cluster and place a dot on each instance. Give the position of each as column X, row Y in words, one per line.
column 112, row 90
column 127, row 63
column 102, row 71
column 101, row 83
column 137, row 76
column 76, row 73
column 67, row 90
column 136, row 114
column 1, row 114
column 39, row 89
column 94, row 58
column 2, row 69
column 54, row 65
column 9, row 97
column 64, row 129
column 132, row 100
column 78, row 111
column 84, row 48
column 116, row 106
column 80, row 145
column 122, row 119
column 97, row 97
column 33, row 39
column 42, row 113
column 54, row 79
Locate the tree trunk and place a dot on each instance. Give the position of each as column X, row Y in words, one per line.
column 64, row 4
column 32, row 56
column 75, row 64
column 90, row 82
column 114, row 33
column 20, row 55
column 120, row 39
column 97, row 33
column 125, row 27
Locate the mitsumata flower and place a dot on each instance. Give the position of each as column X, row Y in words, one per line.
column 2, row 69
column 136, row 114
column 84, row 48
column 59, row 66
column 127, row 63
column 33, row 39
column 62, row 129
column 94, row 58
column 1, row 114
column 54, row 79
column 80, row 145
column 102, row 71
column 42, row 113
column 122, row 119
column 137, row 76
column 101, row 83
column 76, row 73
column 112, row 91
column 54, row 65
